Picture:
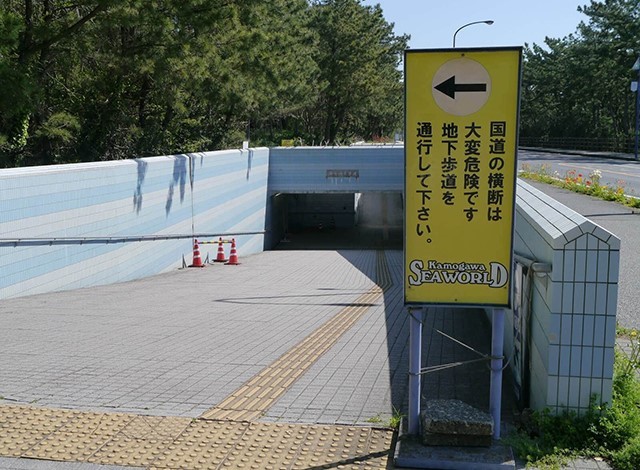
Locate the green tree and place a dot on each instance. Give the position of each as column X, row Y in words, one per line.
column 276, row 77
column 578, row 86
column 34, row 34
column 358, row 56
column 105, row 79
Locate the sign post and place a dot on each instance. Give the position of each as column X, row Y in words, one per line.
column 415, row 363
column 636, row 68
column 461, row 125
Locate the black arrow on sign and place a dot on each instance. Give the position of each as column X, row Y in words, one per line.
column 449, row 87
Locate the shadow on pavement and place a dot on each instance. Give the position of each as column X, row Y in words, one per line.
column 467, row 382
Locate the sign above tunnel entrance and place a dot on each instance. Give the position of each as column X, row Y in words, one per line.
column 461, row 125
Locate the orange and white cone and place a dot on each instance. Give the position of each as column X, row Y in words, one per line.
column 197, row 260
column 233, row 256
column 220, row 256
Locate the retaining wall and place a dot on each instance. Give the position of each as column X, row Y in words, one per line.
column 212, row 192
column 572, row 325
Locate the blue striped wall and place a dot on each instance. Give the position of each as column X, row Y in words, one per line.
column 213, row 192
column 304, row 169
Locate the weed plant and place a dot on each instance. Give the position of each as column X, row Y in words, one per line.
column 393, row 422
column 611, row 431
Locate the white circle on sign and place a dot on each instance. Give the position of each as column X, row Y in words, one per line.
column 461, row 86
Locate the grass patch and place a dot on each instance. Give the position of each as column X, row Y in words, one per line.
column 579, row 183
column 610, row 432
column 393, row 422
column 396, row 419
column 375, row 420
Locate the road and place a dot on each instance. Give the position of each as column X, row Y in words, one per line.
column 614, row 172
column 621, row 220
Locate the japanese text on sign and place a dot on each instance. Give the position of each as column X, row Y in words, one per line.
column 460, row 151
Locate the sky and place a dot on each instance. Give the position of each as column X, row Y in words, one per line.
column 432, row 23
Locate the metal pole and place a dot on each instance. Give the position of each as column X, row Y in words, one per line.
column 415, row 364
column 495, row 387
column 637, row 112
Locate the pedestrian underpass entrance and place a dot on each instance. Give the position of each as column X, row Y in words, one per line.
column 335, row 197
column 335, row 221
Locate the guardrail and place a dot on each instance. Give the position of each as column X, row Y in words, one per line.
column 596, row 144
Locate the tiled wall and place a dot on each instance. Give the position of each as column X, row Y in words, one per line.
column 379, row 168
column 213, row 192
column 573, row 319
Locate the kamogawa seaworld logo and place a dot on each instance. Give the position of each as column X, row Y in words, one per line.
column 495, row 275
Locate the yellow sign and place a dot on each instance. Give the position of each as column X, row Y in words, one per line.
column 461, row 125
column 286, row 143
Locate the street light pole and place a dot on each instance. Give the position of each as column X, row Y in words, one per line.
column 489, row 22
column 636, row 68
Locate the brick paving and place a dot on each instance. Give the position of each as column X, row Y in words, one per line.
column 174, row 346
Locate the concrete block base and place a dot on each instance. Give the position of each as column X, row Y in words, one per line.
column 454, row 423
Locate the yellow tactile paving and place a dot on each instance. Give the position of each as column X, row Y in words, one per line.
column 68, row 446
column 108, row 424
column 122, row 450
column 383, row 275
column 228, row 438
column 205, row 444
column 252, row 399
column 181, row 443
column 142, row 441
column 156, row 427
column 14, row 443
column 37, row 419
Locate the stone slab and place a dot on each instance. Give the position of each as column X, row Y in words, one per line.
column 455, row 417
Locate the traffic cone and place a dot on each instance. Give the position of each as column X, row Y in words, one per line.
column 220, row 256
column 233, row 256
column 197, row 261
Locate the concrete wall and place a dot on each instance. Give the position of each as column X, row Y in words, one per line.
column 213, row 192
column 573, row 309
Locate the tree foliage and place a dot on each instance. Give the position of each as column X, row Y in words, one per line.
column 84, row 80
column 578, row 86
column 358, row 57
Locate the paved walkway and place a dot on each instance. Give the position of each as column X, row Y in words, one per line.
column 293, row 359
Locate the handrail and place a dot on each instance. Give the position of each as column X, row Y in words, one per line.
column 533, row 265
column 44, row 241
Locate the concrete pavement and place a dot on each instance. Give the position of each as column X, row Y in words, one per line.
column 181, row 370
column 174, row 363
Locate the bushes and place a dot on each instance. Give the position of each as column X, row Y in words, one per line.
column 611, row 432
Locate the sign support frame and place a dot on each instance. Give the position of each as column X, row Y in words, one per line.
column 468, row 81
column 415, row 368
column 495, row 384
